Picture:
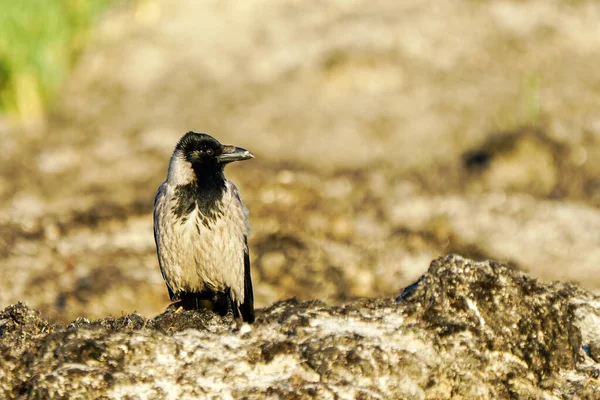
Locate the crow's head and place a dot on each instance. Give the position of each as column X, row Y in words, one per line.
column 204, row 150
column 198, row 154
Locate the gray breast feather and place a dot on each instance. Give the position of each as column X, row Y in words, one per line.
column 194, row 257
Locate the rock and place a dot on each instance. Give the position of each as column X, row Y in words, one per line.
column 495, row 308
column 524, row 160
column 593, row 350
column 465, row 329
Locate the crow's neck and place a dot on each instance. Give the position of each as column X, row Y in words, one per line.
column 204, row 193
column 210, row 182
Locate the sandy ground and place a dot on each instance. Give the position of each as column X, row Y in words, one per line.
column 386, row 133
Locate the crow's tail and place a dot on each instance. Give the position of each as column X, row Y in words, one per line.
column 247, row 307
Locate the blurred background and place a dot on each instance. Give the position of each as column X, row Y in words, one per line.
column 386, row 133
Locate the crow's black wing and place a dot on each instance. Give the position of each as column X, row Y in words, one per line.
column 247, row 307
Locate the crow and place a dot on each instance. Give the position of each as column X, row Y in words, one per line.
column 201, row 229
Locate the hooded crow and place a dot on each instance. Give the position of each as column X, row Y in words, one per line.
column 201, row 229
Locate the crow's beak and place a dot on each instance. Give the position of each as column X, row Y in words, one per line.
column 232, row 153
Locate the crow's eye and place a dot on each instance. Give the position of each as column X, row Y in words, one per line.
column 210, row 152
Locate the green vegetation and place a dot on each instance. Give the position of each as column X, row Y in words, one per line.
column 39, row 42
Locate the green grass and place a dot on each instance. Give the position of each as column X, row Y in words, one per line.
column 39, row 43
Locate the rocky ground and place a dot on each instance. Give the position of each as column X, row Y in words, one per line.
column 386, row 133
column 471, row 330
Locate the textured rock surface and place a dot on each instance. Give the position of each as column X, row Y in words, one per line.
column 472, row 330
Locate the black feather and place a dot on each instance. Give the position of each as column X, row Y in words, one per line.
column 247, row 307
column 206, row 191
column 171, row 294
column 207, row 198
column 218, row 302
